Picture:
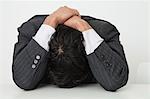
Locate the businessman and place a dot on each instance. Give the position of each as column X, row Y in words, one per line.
column 103, row 49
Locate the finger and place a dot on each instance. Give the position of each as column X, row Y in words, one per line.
column 74, row 10
column 77, row 12
column 66, row 6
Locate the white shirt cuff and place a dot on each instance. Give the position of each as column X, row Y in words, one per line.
column 91, row 40
column 43, row 36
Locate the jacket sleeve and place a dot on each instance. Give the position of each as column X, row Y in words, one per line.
column 26, row 73
column 108, row 62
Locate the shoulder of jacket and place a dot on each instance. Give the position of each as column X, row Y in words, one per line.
column 104, row 28
column 30, row 27
column 101, row 22
column 37, row 18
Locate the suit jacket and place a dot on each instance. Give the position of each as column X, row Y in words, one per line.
column 107, row 63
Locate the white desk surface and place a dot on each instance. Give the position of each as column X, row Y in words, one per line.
column 92, row 91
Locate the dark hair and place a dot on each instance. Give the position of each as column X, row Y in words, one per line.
column 68, row 65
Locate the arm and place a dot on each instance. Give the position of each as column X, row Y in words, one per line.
column 108, row 62
column 106, row 58
column 29, row 57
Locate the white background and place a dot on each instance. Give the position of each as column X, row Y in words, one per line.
column 130, row 17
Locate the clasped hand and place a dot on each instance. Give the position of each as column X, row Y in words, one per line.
column 67, row 16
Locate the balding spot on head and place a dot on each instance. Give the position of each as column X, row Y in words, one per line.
column 60, row 50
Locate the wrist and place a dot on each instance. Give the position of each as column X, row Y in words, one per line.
column 83, row 26
column 51, row 21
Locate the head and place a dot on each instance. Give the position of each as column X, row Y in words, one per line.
column 67, row 64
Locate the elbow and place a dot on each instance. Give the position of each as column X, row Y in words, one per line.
column 115, row 86
column 28, row 88
column 111, row 88
column 23, row 80
column 25, row 85
column 118, row 82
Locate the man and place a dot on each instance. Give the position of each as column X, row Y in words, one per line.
column 105, row 54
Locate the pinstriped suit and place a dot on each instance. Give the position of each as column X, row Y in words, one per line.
column 108, row 63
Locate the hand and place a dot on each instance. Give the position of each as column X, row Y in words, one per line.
column 60, row 16
column 77, row 23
